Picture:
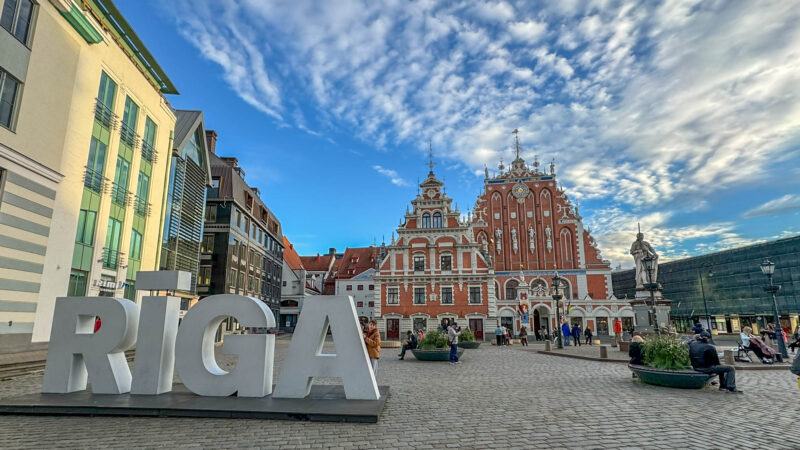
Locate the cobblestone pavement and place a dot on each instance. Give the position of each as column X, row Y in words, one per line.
column 498, row 398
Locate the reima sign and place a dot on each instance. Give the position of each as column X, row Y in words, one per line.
column 77, row 355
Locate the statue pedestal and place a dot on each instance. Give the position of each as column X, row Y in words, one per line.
column 642, row 305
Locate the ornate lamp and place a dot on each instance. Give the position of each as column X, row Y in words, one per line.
column 557, row 280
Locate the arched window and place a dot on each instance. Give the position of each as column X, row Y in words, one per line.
column 511, row 289
column 426, row 220
column 437, row 220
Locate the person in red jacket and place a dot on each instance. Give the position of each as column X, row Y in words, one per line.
column 617, row 332
column 97, row 324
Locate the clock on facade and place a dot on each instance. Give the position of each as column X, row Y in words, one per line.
column 520, row 190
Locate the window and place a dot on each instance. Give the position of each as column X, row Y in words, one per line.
column 86, row 223
column 204, row 276
column 426, row 220
column 437, row 220
column 419, row 263
column 142, row 191
column 392, row 296
column 16, row 18
column 235, row 249
column 349, row 287
column 474, row 294
column 419, row 296
column 447, row 296
column 77, row 283
column 9, row 92
column 233, row 277
column 371, row 304
column 360, row 287
column 511, row 290
column 246, row 225
column 371, row 287
column 241, row 281
column 208, row 244
column 238, row 219
column 211, row 213
column 135, row 251
column 360, row 304
column 446, row 262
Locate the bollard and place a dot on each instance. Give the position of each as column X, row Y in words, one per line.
column 604, row 352
column 547, row 346
column 728, row 358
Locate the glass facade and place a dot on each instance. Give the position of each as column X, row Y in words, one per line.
column 731, row 282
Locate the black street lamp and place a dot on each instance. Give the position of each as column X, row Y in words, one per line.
column 705, row 304
column 768, row 269
column 651, row 286
column 557, row 280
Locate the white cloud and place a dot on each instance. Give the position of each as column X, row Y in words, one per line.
column 786, row 204
column 530, row 31
column 392, row 175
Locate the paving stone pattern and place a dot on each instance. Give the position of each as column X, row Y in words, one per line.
column 498, row 398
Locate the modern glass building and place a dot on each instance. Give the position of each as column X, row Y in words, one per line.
column 189, row 176
column 731, row 283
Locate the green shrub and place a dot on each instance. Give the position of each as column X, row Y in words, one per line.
column 433, row 340
column 466, row 335
column 666, row 352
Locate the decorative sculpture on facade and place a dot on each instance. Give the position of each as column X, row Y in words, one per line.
column 514, row 245
column 548, row 239
column 531, row 239
column 641, row 249
column 498, row 240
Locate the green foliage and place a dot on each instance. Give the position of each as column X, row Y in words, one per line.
column 666, row 352
column 433, row 340
column 466, row 335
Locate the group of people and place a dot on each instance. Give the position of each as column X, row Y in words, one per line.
column 575, row 332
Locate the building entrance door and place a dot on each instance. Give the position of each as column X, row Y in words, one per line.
column 602, row 326
column 508, row 322
column 627, row 323
column 420, row 323
column 476, row 325
column 392, row 328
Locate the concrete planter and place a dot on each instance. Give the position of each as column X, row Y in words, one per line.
column 683, row 379
column 440, row 354
column 470, row 344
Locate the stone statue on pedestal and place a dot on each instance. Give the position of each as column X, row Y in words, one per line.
column 641, row 249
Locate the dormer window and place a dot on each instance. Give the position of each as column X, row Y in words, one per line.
column 426, row 220
column 437, row 220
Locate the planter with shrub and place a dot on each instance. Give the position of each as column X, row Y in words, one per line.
column 666, row 360
column 467, row 339
column 434, row 347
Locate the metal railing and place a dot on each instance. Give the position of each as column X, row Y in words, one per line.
column 148, row 152
column 104, row 115
column 94, row 180
column 128, row 136
column 141, row 207
column 111, row 258
column 120, row 195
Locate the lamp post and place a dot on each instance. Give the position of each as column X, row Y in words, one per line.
column 651, row 286
column 768, row 269
column 557, row 299
column 705, row 304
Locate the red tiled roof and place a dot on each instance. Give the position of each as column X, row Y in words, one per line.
column 319, row 263
column 357, row 260
column 290, row 255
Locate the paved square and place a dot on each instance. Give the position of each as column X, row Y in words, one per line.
column 498, row 398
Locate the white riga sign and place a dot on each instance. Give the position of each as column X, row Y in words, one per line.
column 77, row 355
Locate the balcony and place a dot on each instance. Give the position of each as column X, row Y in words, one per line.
column 128, row 136
column 149, row 153
column 141, row 207
column 120, row 195
column 94, row 181
column 104, row 115
column 111, row 258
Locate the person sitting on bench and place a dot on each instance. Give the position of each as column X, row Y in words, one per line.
column 409, row 343
column 704, row 359
column 746, row 336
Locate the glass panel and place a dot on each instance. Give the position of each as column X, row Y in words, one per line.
column 97, row 156
column 7, row 19
column 136, row 245
column 131, row 114
column 86, row 223
column 114, row 229
column 8, row 95
column 23, row 21
column 193, row 149
column 143, row 188
column 108, row 88
column 77, row 284
column 150, row 132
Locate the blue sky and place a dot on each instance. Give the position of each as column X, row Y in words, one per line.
column 681, row 115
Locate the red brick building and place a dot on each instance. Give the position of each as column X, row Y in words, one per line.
column 524, row 222
column 433, row 270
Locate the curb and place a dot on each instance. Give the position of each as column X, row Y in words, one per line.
column 590, row 358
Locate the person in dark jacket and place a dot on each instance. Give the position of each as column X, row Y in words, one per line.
column 588, row 334
column 576, row 335
column 636, row 351
column 411, row 344
column 705, row 359
column 565, row 334
column 697, row 328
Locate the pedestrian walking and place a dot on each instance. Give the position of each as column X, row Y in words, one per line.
column 507, row 336
column 372, row 339
column 543, row 332
column 588, row 334
column 576, row 335
column 523, row 336
column 617, row 332
column 499, row 335
column 452, row 338
column 565, row 333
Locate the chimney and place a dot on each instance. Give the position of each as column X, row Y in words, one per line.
column 331, row 251
column 211, row 141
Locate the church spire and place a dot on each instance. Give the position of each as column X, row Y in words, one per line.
column 430, row 155
column 516, row 140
